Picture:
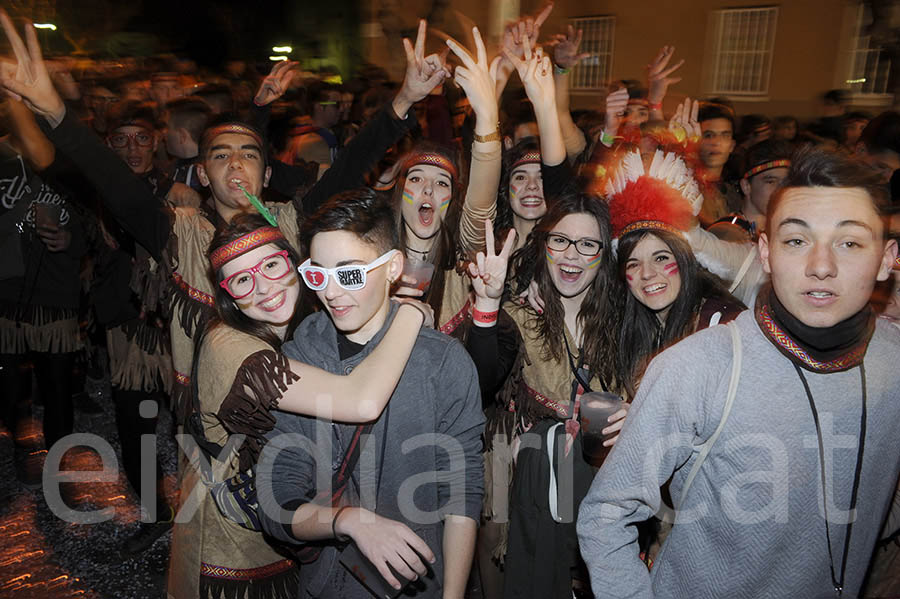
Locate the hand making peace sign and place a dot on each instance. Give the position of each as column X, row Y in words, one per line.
column 536, row 73
column 488, row 272
column 28, row 79
column 478, row 78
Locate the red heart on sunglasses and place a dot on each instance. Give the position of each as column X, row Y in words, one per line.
column 315, row 278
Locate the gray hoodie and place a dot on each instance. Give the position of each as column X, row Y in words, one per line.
column 434, row 431
column 753, row 522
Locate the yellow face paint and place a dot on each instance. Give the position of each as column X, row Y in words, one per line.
column 595, row 261
column 445, row 203
column 549, row 256
column 407, row 197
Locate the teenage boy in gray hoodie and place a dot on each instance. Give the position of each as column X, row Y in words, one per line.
column 411, row 497
column 814, row 415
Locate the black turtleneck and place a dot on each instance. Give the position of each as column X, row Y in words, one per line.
column 823, row 344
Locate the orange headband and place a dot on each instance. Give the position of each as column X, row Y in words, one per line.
column 434, row 160
column 767, row 166
column 244, row 244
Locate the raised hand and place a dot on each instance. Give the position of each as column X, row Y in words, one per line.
column 276, row 83
column 684, row 121
column 565, row 48
column 659, row 75
column 28, row 79
column 536, row 73
column 478, row 78
column 616, row 102
column 423, row 73
column 526, row 29
column 488, row 272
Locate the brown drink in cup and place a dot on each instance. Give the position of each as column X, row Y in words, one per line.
column 596, row 408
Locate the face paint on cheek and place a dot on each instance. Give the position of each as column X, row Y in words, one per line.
column 445, row 203
column 629, row 277
column 408, row 198
column 550, row 256
column 671, row 269
column 595, row 261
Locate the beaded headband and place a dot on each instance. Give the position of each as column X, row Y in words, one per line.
column 528, row 158
column 433, row 159
column 237, row 128
column 244, row 244
column 650, row 224
column 765, row 166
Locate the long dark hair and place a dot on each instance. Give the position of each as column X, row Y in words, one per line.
column 446, row 250
column 227, row 311
column 641, row 336
column 598, row 315
column 504, row 220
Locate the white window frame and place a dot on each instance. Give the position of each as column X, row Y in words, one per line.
column 593, row 74
column 758, row 26
column 864, row 62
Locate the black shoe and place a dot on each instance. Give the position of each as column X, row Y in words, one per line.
column 147, row 534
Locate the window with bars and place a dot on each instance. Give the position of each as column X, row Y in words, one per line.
column 599, row 35
column 743, row 45
column 869, row 68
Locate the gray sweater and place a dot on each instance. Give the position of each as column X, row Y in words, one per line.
column 438, row 393
column 753, row 524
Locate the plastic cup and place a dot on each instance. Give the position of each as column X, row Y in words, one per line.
column 596, row 408
column 420, row 270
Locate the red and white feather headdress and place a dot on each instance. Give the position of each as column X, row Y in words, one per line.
column 664, row 197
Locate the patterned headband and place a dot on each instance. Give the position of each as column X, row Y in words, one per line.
column 433, row 159
column 767, row 166
column 639, row 101
column 528, row 158
column 650, row 224
column 244, row 244
column 897, row 263
column 237, row 128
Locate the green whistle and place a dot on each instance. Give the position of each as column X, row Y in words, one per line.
column 254, row 201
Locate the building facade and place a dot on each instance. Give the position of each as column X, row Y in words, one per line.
column 768, row 58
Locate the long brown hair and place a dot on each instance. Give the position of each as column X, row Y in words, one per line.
column 446, row 250
column 598, row 315
column 227, row 311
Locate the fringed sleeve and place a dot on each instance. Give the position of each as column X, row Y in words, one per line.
column 258, row 385
column 191, row 293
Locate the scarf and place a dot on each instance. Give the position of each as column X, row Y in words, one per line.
column 818, row 349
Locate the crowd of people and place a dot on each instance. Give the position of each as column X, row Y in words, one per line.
column 428, row 337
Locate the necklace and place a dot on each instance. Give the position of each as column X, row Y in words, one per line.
column 838, row 581
column 422, row 253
